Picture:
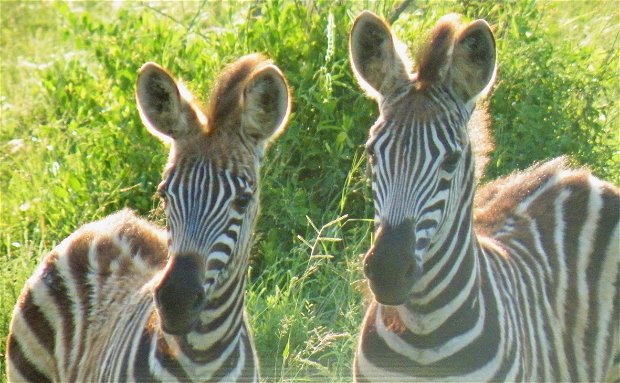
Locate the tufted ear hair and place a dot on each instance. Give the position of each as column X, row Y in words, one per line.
column 265, row 103
column 434, row 59
column 377, row 58
column 166, row 107
column 474, row 60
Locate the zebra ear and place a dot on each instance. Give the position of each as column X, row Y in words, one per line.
column 474, row 60
column 377, row 63
column 166, row 107
column 265, row 103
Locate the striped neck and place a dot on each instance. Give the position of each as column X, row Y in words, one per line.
column 451, row 278
column 446, row 309
column 220, row 345
column 445, row 317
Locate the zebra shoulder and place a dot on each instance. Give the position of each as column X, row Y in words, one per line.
column 499, row 200
column 120, row 242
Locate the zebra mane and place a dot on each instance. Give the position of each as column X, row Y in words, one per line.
column 498, row 199
column 432, row 62
column 226, row 95
column 480, row 137
column 434, row 54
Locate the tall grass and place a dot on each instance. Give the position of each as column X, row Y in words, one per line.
column 72, row 148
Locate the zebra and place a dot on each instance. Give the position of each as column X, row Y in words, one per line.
column 516, row 282
column 122, row 299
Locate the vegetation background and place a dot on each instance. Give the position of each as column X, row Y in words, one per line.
column 72, row 148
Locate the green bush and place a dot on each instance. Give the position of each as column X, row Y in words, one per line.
column 72, row 148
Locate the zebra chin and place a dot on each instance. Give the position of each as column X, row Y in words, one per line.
column 391, row 265
column 392, row 293
column 177, row 323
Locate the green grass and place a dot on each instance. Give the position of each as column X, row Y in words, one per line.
column 72, row 148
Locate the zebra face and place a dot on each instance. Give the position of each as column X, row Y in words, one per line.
column 418, row 150
column 210, row 186
column 210, row 214
column 418, row 168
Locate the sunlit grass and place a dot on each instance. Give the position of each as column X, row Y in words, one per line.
column 72, row 148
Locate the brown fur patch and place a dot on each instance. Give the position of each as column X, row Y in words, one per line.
column 145, row 242
column 78, row 253
column 227, row 92
column 107, row 251
column 392, row 320
column 497, row 200
column 153, row 323
column 480, row 137
column 433, row 57
column 165, row 351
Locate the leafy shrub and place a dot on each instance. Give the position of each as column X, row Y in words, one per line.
column 72, row 148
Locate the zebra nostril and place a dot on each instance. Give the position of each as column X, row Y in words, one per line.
column 410, row 272
column 199, row 299
column 422, row 244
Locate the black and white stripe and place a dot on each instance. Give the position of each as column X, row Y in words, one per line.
column 123, row 300
column 219, row 346
column 518, row 281
column 197, row 218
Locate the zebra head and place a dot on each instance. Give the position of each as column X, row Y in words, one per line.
column 418, row 150
column 210, row 185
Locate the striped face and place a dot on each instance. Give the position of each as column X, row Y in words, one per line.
column 419, row 166
column 210, row 214
column 206, row 209
column 210, row 187
column 418, row 149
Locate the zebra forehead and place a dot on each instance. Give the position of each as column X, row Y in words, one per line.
column 192, row 171
column 428, row 105
column 222, row 150
column 420, row 118
column 186, row 167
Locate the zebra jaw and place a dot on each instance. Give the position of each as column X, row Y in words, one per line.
column 220, row 279
column 395, row 263
column 179, row 318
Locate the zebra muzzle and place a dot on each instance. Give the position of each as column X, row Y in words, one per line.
column 391, row 265
column 180, row 296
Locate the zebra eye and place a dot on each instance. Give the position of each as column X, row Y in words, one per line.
column 242, row 201
column 450, row 161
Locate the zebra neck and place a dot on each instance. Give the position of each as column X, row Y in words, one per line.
column 449, row 286
column 221, row 329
